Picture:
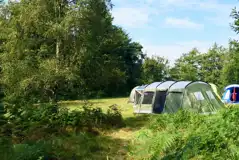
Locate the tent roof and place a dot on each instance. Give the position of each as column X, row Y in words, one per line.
column 165, row 85
column 141, row 87
column 135, row 88
column 231, row 86
column 152, row 86
column 170, row 85
column 178, row 86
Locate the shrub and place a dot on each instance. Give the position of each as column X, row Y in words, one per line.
column 189, row 136
column 48, row 120
column 33, row 130
column 114, row 117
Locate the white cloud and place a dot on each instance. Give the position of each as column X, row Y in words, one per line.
column 209, row 5
column 174, row 51
column 131, row 17
column 182, row 23
column 138, row 13
column 134, row 13
column 220, row 10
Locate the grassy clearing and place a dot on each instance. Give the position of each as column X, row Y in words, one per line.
column 92, row 134
column 116, row 141
column 126, row 108
column 133, row 122
column 89, row 134
column 178, row 136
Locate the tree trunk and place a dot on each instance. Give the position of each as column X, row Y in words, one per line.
column 57, row 54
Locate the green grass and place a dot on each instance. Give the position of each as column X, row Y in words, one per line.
column 132, row 121
column 147, row 136
column 115, row 142
column 126, row 108
column 87, row 142
column 168, row 136
column 186, row 135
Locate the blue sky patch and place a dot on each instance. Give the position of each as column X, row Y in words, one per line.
column 169, row 28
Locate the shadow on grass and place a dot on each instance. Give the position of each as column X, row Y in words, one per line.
column 137, row 121
column 131, row 124
column 81, row 146
column 89, row 147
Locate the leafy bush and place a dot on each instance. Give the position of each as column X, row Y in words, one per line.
column 114, row 117
column 189, row 136
column 33, row 130
column 46, row 120
column 36, row 151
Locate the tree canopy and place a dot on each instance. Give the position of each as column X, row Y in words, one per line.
column 55, row 50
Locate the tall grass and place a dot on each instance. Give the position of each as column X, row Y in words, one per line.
column 189, row 136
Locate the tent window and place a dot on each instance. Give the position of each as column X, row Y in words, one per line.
column 227, row 95
column 137, row 98
column 198, row 96
column 210, row 95
column 148, row 97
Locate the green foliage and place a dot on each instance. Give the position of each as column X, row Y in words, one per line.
column 65, row 50
column 209, row 67
column 6, row 148
column 53, row 50
column 36, row 151
column 154, row 69
column 80, row 146
column 114, row 116
column 34, row 129
column 231, row 70
column 186, row 67
column 235, row 24
column 211, row 64
column 189, row 136
column 45, row 120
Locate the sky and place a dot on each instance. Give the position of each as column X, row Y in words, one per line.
column 169, row 28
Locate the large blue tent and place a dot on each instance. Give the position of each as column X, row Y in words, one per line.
column 228, row 94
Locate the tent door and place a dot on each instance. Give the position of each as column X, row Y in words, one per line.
column 237, row 95
column 173, row 102
column 160, row 99
column 138, row 97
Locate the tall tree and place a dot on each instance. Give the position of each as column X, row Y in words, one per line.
column 230, row 73
column 211, row 64
column 65, row 49
column 32, row 49
column 154, row 69
column 186, row 67
column 231, row 69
